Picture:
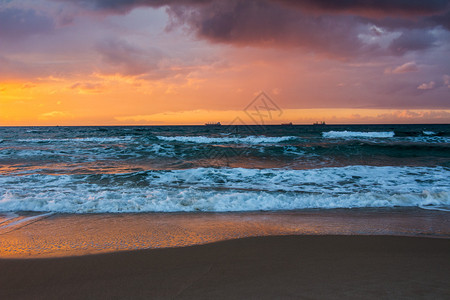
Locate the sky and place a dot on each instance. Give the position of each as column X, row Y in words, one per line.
column 163, row 62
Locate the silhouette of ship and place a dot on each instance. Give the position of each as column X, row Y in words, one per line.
column 286, row 124
column 213, row 124
column 319, row 123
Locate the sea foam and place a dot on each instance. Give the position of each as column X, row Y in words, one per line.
column 216, row 140
column 358, row 134
column 429, row 133
column 84, row 139
column 228, row 189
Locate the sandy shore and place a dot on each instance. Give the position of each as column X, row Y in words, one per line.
column 305, row 267
column 32, row 235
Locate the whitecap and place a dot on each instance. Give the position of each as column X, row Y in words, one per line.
column 218, row 140
column 228, row 189
column 429, row 133
column 358, row 134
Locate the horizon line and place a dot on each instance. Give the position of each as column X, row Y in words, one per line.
column 203, row 125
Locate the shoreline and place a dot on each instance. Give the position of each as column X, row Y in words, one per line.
column 330, row 267
column 28, row 235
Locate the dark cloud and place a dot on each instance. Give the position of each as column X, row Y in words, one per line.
column 412, row 40
column 380, row 7
column 443, row 20
column 267, row 23
column 384, row 7
column 333, row 28
column 124, row 6
column 18, row 23
column 262, row 23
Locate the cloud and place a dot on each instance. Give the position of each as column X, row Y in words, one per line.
column 427, row 86
column 382, row 7
column 406, row 68
column 53, row 114
column 446, row 79
column 330, row 27
column 412, row 40
column 128, row 59
column 18, row 23
column 326, row 30
column 442, row 20
column 299, row 116
column 87, row 87
column 265, row 24
column 125, row 6
column 12, row 69
column 413, row 7
column 424, row 116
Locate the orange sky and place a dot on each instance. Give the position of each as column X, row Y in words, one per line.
column 69, row 64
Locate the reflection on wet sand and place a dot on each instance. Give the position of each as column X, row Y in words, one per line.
column 44, row 235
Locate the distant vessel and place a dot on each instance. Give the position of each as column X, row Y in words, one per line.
column 213, row 124
column 286, row 124
column 319, row 123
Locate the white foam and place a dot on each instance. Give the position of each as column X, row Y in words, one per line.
column 429, row 139
column 19, row 222
column 86, row 139
column 228, row 189
column 7, row 217
column 358, row 134
column 216, row 140
column 291, row 150
column 429, row 133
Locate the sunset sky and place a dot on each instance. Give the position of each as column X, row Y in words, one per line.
column 156, row 62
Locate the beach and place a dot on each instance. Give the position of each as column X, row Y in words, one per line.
column 277, row 267
column 212, row 149
column 44, row 235
column 308, row 254
column 193, row 212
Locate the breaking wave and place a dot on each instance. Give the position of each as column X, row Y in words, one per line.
column 357, row 134
column 216, row 140
column 228, row 189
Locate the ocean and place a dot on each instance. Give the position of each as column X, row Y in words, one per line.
column 68, row 191
column 223, row 168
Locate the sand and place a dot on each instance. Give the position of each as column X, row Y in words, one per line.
column 277, row 267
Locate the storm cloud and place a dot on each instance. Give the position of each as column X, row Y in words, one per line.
column 276, row 24
column 381, row 7
column 384, row 7
column 334, row 28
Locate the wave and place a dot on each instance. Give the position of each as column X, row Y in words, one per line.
column 358, row 134
column 228, row 189
column 217, row 140
column 429, row 133
column 81, row 139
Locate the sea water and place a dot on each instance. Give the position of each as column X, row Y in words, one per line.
column 223, row 168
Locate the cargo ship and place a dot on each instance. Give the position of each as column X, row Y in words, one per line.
column 319, row 123
column 213, row 124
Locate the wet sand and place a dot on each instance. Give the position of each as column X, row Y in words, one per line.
column 277, row 267
column 34, row 235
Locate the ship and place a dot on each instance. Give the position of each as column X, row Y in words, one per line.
column 319, row 123
column 286, row 124
column 213, row 124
